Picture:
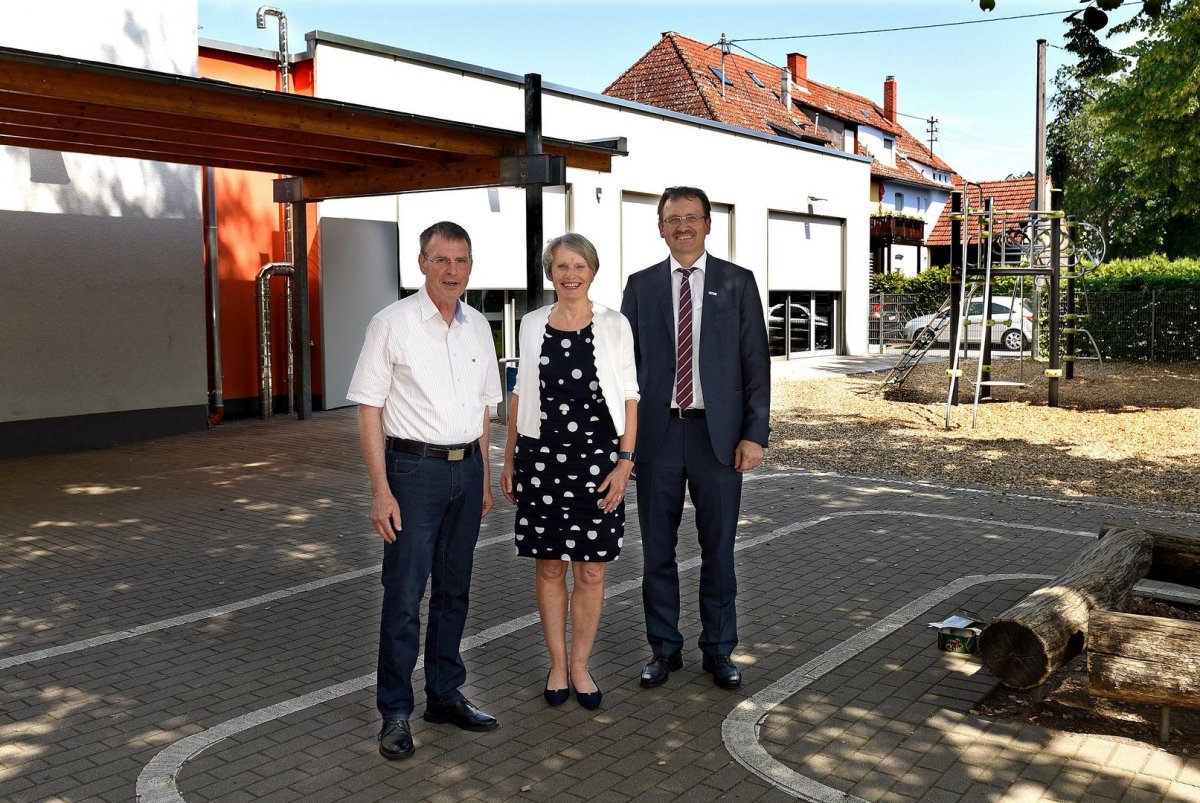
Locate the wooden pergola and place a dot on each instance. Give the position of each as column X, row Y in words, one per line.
column 329, row 149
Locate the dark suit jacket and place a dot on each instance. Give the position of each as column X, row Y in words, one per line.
column 735, row 367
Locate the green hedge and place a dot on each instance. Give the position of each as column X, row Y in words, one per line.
column 1154, row 272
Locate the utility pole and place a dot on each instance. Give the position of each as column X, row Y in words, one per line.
column 931, row 127
column 1039, row 147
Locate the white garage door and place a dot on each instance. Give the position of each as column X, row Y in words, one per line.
column 804, row 253
column 641, row 244
column 495, row 219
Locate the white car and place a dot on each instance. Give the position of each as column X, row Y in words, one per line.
column 1012, row 326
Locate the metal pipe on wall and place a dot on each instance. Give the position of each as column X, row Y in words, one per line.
column 264, row 293
column 263, row 296
column 217, row 391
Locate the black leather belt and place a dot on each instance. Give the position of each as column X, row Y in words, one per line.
column 691, row 412
column 453, row 452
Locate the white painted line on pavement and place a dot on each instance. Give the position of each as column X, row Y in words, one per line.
column 176, row 621
column 157, row 781
column 740, row 729
column 210, row 613
column 164, row 624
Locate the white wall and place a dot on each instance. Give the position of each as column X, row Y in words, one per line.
column 749, row 176
column 102, row 281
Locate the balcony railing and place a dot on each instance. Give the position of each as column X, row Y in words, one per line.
column 897, row 229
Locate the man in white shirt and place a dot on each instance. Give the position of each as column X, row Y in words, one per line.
column 423, row 383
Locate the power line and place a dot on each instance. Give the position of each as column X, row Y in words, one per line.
column 907, row 28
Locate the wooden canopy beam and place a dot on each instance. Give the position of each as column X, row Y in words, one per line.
column 85, row 116
column 154, row 150
column 269, row 109
column 507, row 172
column 52, row 126
column 134, row 153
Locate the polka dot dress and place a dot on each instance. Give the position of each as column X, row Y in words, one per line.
column 556, row 476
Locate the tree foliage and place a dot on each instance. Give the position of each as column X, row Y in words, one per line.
column 1125, row 141
column 1152, row 113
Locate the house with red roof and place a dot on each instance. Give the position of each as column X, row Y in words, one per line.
column 910, row 185
column 1013, row 199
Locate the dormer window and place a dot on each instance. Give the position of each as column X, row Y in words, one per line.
column 889, row 143
column 721, row 76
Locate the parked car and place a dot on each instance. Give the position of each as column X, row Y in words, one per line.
column 800, row 316
column 1012, row 326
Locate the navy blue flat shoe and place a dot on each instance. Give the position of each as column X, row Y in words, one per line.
column 555, row 697
column 589, row 700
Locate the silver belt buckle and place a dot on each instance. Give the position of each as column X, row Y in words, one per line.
column 454, row 455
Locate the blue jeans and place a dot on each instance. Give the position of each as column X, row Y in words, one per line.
column 441, row 503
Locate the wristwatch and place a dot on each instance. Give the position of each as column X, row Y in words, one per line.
column 626, row 456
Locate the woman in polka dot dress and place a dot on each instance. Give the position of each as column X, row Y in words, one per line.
column 571, row 429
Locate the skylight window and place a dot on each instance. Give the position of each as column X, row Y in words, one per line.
column 757, row 82
column 721, row 75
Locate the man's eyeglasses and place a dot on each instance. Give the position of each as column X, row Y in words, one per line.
column 444, row 262
column 675, row 220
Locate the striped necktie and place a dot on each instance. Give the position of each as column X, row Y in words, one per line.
column 683, row 343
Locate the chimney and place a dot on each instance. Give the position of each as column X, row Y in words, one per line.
column 889, row 98
column 798, row 67
column 785, row 89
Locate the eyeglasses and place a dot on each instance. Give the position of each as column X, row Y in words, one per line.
column 444, row 262
column 675, row 220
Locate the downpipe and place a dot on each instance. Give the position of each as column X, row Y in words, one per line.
column 263, row 295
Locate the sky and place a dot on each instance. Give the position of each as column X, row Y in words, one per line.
column 978, row 80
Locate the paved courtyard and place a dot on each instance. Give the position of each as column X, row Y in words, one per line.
column 195, row 618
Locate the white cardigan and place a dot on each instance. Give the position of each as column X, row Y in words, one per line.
column 613, row 344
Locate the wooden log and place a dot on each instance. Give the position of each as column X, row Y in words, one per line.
column 1024, row 645
column 1176, row 557
column 1144, row 659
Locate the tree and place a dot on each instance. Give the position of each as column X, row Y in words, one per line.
column 1152, row 113
column 1125, row 141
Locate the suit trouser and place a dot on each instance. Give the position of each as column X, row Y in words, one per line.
column 440, row 506
column 686, row 460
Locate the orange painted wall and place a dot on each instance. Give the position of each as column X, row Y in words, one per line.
column 250, row 234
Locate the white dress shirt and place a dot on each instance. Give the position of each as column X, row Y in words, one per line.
column 696, row 285
column 433, row 381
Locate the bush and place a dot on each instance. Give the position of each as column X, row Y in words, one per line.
column 1154, row 272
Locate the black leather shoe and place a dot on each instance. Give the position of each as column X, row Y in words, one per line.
column 724, row 671
column 462, row 714
column 395, row 739
column 659, row 669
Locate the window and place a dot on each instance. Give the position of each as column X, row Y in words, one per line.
column 888, row 143
column 920, row 204
column 721, row 75
column 899, row 202
column 757, row 82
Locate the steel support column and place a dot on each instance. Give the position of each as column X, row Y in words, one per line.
column 303, row 328
column 534, row 287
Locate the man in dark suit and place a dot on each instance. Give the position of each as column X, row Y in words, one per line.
column 705, row 376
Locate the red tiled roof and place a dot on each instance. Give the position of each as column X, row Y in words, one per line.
column 677, row 74
column 1010, row 194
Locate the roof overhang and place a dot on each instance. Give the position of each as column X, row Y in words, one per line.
column 337, row 149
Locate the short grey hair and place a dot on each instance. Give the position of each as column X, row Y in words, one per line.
column 447, row 230
column 576, row 243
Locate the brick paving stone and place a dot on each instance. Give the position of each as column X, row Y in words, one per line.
column 1182, row 793
column 1069, row 785
column 893, row 720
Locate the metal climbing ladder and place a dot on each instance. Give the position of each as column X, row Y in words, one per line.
column 985, row 331
column 921, row 343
